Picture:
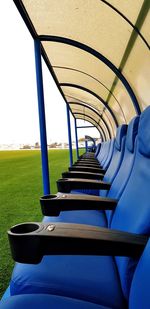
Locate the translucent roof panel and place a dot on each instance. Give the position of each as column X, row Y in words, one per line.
column 117, row 111
column 90, row 22
column 146, row 26
column 125, row 110
column 83, row 96
column 75, row 77
column 101, row 127
column 128, row 8
column 74, row 58
column 76, row 66
column 108, row 119
column 104, row 114
column 108, row 27
column 85, row 110
column 88, row 129
column 137, row 71
column 86, row 118
column 72, row 100
column 111, row 134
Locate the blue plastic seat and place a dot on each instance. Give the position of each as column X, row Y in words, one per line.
column 117, row 157
column 139, row 292
column 72, row 276
column 101, row 152
column 98, row 217
column 89, row 155
column 92, row 217
column 81, row 277
column 109, row 157
column 104, row 154
column 102, row 280
column 103, row 157
column 139, row 297
column 118, row 153
column 107, row 148
column 42, row 301
column 98, row 148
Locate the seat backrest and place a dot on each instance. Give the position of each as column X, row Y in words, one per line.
column 108, row 159
column 107, row 148
column 104, row 152
column 101, row 151
column 133, row 210
column 97, row 150
column 118, row 154
column 125, row 169
column 140, row 287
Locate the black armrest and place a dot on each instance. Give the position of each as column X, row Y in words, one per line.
column 68, row 184
column 52, row 205
column 97, row 165
column 88, row 160
column 87, row 169
column 29, row 242
column 85, row 175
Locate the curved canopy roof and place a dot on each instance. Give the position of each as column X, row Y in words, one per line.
column 98, row 53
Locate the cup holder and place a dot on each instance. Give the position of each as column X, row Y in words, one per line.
column 63, row 185
column 48, row 197
column 24, row 228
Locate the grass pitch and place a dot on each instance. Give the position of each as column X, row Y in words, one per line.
column 20, row 189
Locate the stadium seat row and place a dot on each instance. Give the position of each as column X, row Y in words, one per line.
column 93, row 244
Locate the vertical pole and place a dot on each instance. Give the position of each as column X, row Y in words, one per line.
column 76, row 136
column 86, row 146
column 69, row 136
column 42, row 121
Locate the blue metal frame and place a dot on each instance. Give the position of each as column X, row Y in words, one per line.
column 98, row 127
column 82, row 46
column 89, row 138
column 42, row 120
column 85, row 127
column 69, row 136
column 101, row 57
column 76, row 136
column 97, row 113
column 95, row 95
column 86, row 146
column 97, row 80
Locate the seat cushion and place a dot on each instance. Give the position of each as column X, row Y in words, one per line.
column 85, row 191
column 140, row 288
column 90, row 217
column 41, row 301
column 90, row 278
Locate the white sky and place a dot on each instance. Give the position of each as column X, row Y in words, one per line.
column 18, row 96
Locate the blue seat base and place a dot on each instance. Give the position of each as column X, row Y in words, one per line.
column 90, row 278
column 41, row 301
column 92, row 217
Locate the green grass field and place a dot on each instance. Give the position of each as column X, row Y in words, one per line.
column 20, row 189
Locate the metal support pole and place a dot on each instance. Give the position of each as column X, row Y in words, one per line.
column 76, row 136
column 69, row 136
column 86, row 146
column 42, row 121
